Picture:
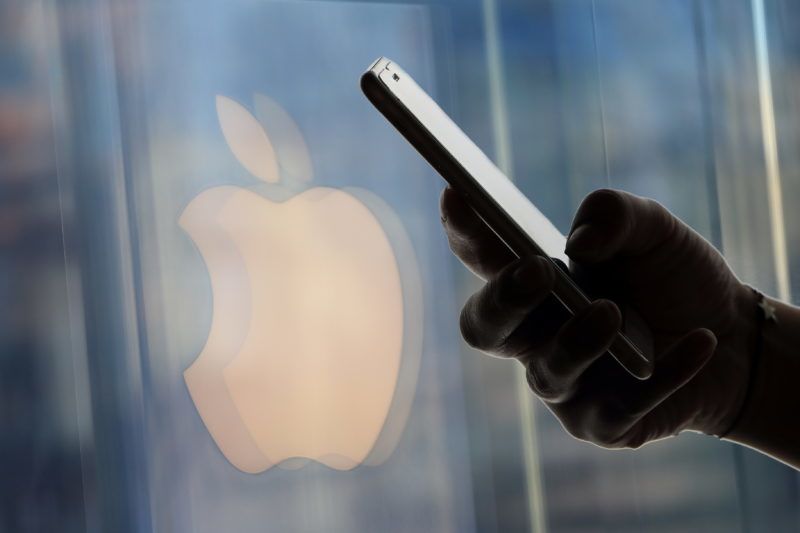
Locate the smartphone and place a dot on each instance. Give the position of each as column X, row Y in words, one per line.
column 496, row 200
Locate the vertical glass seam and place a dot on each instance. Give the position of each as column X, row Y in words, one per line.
column 601, row 101
column 503, row 155
column 497, row 97
column 73, row 290
column 770, row 145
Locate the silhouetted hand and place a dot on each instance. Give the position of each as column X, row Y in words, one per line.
column 633, row 250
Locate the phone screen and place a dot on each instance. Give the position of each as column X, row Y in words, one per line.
column 507, row 197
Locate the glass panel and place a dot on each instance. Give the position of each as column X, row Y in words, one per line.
column 782, row 20
column 233, row 306
column 283, row 267
column 660, row 99
column 42, row 388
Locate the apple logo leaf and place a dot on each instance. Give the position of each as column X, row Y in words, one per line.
column 294, row 157
column 247, row 140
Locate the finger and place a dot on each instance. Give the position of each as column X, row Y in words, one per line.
column 534, row 336
column 676, row 367
column 665, row 420
column 580, row 341
column 494, row 312
column 473, row 242
column 610, row 223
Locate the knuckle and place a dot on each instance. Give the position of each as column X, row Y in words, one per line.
column 612, row 209
column 621, row 411
column 634, row 441
column 583, row 427
column 544, row 388
column 499, row 292
column 585, row 338
column 575, row 428
column 574, row 354
column 470, row 331
column 610, row 427
column 607, row 199
column 603, row 427
column 606, row 416
column 599, row 425
column 605, row 436
column 607, row 440
column 482, row 318
column 615, row 440
column 564, row 346
column 576, row 432
column 462, row 247
column 666, row 223
column 561, row 365
column 561, row 373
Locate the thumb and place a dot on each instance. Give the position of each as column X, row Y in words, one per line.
column 611, row 222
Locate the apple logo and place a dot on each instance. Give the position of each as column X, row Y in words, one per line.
column 316, row 326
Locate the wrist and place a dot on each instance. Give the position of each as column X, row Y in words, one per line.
column 756, row 313
column 768, row 420
column 727, row 374
column 748, row 412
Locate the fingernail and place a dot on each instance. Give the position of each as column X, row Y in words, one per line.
column 582, row 242
column 534, row 275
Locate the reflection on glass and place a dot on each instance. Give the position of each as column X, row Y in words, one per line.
column 43, row 486
column 292, row 151
column 307, row 335
column 247, row 140
column 110, row 301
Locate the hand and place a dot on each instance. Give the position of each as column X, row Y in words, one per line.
column 633, row 250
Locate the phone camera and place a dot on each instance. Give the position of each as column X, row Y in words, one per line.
column 395, row 77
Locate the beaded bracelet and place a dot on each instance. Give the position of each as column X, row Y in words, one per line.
column 765, row 312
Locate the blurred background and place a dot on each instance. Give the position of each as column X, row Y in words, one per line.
column 108, row 130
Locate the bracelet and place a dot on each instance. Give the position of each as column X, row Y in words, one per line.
column 765, row 312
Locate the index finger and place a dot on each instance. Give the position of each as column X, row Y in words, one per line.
column 470, row 239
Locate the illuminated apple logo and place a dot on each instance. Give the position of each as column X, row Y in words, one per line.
column 315, row 337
